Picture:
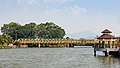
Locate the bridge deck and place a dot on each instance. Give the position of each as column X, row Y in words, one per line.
column 28, row 41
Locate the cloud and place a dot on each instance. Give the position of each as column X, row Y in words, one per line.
column 66, row 14
column 58, row 1
column 76, row 9
column 31, row 2
column 72, row 10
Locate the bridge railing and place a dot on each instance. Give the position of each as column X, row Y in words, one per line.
column 55, row 41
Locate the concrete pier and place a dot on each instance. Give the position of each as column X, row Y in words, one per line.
column 115, row 53
column 100, row 49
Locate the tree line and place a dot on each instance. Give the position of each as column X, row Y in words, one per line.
column 47, row 30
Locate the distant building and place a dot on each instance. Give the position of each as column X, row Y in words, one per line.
column 106, row 40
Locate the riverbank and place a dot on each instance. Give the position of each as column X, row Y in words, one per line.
column 12, row 46
column 4, row 47
column 26, row 46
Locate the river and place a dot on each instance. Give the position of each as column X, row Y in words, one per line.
column 80, row 57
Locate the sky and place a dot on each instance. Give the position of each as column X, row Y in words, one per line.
column 72, row 15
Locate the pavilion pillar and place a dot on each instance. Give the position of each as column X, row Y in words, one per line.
column 94, row 53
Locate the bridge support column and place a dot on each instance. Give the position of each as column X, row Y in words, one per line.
column 68, row 45
column 39, row 45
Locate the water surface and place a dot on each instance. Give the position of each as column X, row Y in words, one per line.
column 81, row 57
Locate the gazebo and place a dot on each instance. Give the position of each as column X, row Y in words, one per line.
column 106, row 40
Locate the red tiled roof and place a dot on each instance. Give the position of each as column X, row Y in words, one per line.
column 106, row 36
column 106, row 31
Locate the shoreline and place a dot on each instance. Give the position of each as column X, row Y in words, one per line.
column 8, row 47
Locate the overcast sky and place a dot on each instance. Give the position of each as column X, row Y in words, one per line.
column 73, row 15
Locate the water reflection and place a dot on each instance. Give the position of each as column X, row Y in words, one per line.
column 108, row 62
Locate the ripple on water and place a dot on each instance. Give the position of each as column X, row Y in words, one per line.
column 55, row 58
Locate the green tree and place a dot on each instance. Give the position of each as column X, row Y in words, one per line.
column 54, row 31
column 17, row 31
column 32, row 31
column 50, row 30
column 29, row 30
column 2, row 40
column 11, row 29
column 5, row 39
column 41, row 31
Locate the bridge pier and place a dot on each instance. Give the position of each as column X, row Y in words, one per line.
column 100, row 49
column 71, row 45
column 68, row 45
column 39, row 45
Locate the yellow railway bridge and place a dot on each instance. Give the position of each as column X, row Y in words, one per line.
column 50, row 42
